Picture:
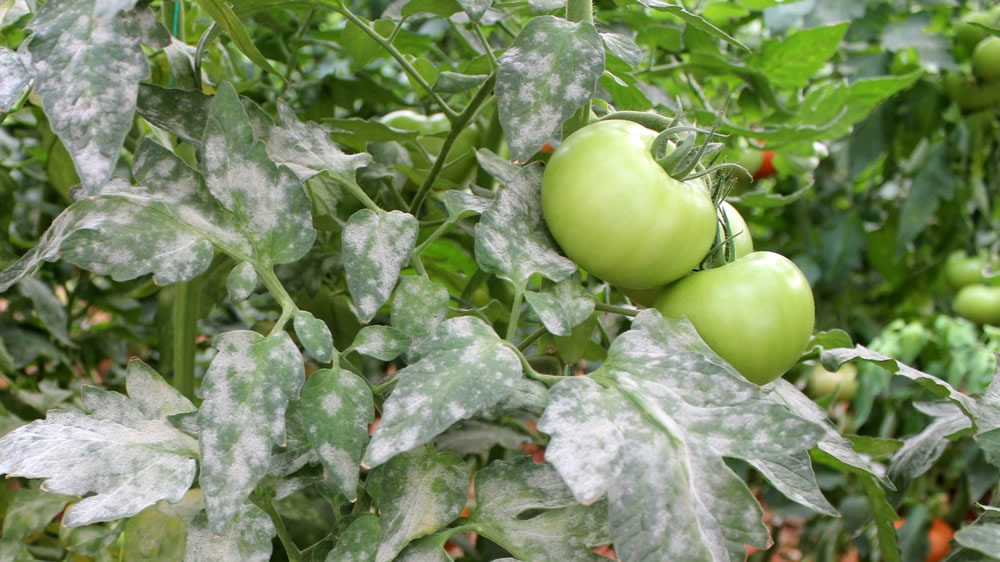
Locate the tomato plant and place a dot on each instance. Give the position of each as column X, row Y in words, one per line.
column 618, row 214
column 757, row 312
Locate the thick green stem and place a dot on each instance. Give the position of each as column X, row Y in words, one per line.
column 515, row 313
column 458, row 124
column 277, row 290
column 185, row 323
column 531, row 373
column 601, row 307
column 291, row 549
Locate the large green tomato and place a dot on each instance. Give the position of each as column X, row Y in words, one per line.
column 979, row 303
column 618, row 214
column 986, row 60
column 433, row 129
column 970, row 95
column 961, row 269
column 757, row 312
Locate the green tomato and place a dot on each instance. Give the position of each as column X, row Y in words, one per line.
column 979, row 303
column 618, row 214
column 986, row 60
column 967, row 35
column 433, row 129
column 739, row 229
column 961, row 269
column 843, row 381
column 757, row 312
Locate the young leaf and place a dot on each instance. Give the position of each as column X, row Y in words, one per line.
column 692, row 19
column 376, row 247
column 511, row 239
column 223, row 15
column 248, row 538
column 421, row 492
column 129, row 456
column 460, row 369
column 358, row 542
column 246, row 392
column 88, row 71
column 242, row 282
column 547, row 74
column 563, row 307
column 652, row 436
column 267, row 203
column 527, row 508
column 337, row 408
column 419, row 307
column 792, row 61
column 314, row 335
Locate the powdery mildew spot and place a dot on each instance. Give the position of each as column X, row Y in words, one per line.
column 376, row 247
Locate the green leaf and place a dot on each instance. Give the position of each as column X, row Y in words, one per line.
column 419, row 306
column 30, row 511
column 455, row 83
column 358, row 542
column 50, row 311
column 337, row 408
column 442, row 8
column 473, row 436
column 124, row 456
column 988, row 421
column 16, row 78
column 528, row 509
column 511, row 239
column 154, row 536
column 475, row 8
column 248, row 538
column 665, row 413
column 462, row 205
column 622, row 47
column 461, row 368
column 246, row 391
column 314, row 335
column 384, row 343
column 791, row 62
column 933, row 185
column 562, row 307
column 548, row 73
column 267, row 203
column 693, row 19
column 376, row 248
column 242, row 282
column 984, row 538
column 88, row 70
column 426, row 549
column 421, row 492
column 223, row 15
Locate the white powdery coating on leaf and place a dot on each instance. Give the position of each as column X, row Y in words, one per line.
column 248, row 540
column 376, row 247
column 344, row 468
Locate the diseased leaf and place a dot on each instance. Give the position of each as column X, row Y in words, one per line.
column 461, row 204
column 267, row 203
column 622, row 47
column 246, row 391
column 984, row 538
column 358, row 542
column 475, row 8
column 155, row 536
column 247, row 539
column 307, row 149
column 376, row 247
column 242, row 282
column 419, row 306
column 384, row 343
column 534, row 515
column 563, row 307
column 16, row 77
column 548, row 73
column 152, row 395
column 126, row 454
column 921, row 451
column 421, row 492
column 314, row 335
column 988, row 421
column 88, row 70
column 511, row 239
column 460, row 369
column 652, row 436
column 337, row 408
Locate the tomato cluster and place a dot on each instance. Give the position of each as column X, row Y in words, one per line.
column 616, row 210
column 975, row 300
column 979, row 89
